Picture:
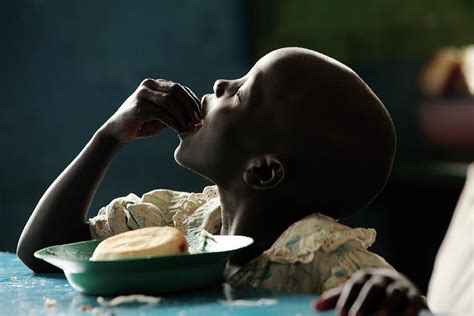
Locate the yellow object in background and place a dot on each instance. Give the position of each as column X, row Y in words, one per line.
column 449, row 72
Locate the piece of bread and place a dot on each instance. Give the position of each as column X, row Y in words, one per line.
column 141, row 243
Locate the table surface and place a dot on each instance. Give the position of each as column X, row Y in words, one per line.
column 25, row 293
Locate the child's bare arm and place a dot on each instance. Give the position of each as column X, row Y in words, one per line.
column 60, row 216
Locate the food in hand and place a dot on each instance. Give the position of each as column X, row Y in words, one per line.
column 141, row 243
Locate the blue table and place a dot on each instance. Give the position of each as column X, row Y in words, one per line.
column 23, row 293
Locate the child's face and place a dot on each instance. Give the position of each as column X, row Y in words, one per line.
column 233, row 115
column 310, row 112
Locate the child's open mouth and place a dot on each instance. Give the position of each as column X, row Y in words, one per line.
column 191, row 128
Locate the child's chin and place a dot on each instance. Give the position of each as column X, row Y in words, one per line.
column 188, row 161
column 182, row 157
column 178, row 157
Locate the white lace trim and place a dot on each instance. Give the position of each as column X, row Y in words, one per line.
column 194, row 203
column 315, row 232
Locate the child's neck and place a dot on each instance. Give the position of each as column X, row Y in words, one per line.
column 262, row 219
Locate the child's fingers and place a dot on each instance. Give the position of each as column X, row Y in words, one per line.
column 194, row 96
column 165, row 103
column 328, row 299
column 415, row 303
column 197, row 102
column 151, row 128
column 149, row 111
column 164, row 117
column 370, row 297
column 190, row 104
column 351, row 291
column 176, row 107
column 396, row 297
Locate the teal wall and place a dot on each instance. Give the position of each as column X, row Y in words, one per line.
column 67, row 65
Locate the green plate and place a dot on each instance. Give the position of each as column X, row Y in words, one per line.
column 153, row 275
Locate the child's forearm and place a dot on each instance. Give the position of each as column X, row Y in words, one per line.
column 60, row 216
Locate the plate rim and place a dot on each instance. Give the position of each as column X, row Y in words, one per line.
column 40, row 252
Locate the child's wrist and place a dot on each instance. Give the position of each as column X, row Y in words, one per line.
column 105, row 138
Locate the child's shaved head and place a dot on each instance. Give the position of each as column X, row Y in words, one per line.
column 336, row 133
column 298, row 127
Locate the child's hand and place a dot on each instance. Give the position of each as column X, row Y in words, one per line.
column 379, row 291
column 155, row 105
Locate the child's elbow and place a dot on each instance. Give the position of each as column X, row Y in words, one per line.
column 26, row 256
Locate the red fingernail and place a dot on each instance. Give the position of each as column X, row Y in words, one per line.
column 322, row 304
column 318, row 304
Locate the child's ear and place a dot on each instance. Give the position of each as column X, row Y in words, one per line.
column 264, row 172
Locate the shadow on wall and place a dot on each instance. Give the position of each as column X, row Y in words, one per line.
column 68, row 65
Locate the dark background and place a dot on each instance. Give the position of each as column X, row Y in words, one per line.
column 67, row 65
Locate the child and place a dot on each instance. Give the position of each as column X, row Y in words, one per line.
column 299, row 136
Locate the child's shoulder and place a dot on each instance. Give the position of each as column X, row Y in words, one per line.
column 311, row 256
column 316, row 233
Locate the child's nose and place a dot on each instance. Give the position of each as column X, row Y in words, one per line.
column 219, row 87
